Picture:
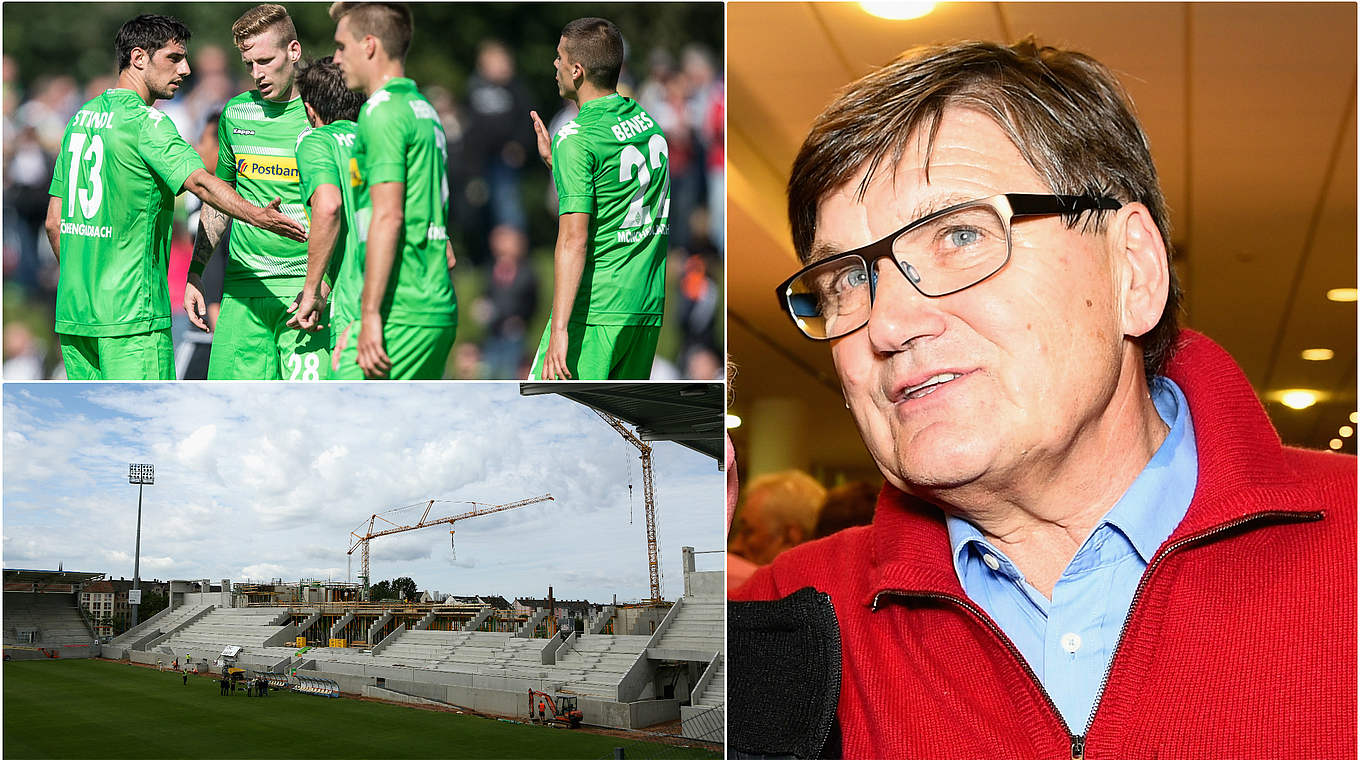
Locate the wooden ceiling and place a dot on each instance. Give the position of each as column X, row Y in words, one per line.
column 1251, row 111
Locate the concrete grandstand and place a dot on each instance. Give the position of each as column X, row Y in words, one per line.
column 43, row 617
column 630, row 666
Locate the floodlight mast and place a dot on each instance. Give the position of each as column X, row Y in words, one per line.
column 358, row 541
column 140, row 475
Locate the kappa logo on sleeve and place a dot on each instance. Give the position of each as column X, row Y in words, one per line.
column 272, row 168
column 567, row 130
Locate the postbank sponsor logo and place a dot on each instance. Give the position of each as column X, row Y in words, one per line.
column 275, row 168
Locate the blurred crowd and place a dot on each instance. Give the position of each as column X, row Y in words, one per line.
column 781, row 510
column 503, row 233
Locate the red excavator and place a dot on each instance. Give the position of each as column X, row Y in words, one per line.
column 561, row 711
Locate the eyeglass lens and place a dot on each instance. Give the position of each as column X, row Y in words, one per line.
column 943, row 255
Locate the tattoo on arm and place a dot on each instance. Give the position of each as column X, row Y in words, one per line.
column 211, row 226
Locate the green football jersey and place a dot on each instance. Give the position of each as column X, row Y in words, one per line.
column 325, row 156
column 121, row 165
column 257, row 140
column 400, row 139
column 611, row 162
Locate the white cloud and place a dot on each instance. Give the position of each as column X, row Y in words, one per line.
column 271, row 479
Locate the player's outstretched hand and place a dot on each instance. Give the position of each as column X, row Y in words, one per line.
column 555, row 359
column 307, row 309
column 544, row 140
column 195, row 305
column 373, row 358
column 270, row 218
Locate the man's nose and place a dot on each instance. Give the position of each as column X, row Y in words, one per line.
column 900, row 314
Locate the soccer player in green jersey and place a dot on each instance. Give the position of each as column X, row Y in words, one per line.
column 113, row 193
column 612, row 175
column 329, row 173
column 257, row 136
column 408, row 314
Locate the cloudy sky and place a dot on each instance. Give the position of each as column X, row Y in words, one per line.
column 263, row 481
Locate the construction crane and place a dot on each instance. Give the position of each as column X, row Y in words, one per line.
column 648, row 500
column 362, row 541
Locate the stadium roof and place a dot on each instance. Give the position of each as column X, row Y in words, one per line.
column 690, row 414
column 48, row 577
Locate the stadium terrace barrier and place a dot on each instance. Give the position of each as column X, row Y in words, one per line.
column 286, row 635
column 340, row 625
column 377, row 626
column 158, row 640
column 389, row 639
column 549, row 656
column 425, row 622
column 714, row 665
column 526, row 631
column 639, row 675
column 601, row 619
column 308, row 623
column 476, row 622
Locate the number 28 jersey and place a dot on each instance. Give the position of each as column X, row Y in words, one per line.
column 611, row 162
column 121, row 165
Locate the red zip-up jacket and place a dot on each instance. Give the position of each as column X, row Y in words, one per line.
column 1241, row 641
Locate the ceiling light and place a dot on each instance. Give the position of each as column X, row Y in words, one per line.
column 1335, row 443
column 1317, row 354
column 1298, row 398
column 1344, row 295
column 896, row 11
column 1355, row 417
column 1346, row 431
column 733, row 421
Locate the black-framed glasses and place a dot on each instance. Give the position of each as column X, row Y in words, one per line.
column 939, row 254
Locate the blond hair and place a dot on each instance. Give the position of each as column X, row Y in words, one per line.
column 260, row 19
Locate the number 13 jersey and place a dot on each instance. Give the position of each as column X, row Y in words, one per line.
column 611, row 162
column 121, row 165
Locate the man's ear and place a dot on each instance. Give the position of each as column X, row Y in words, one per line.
column 1140, row 256
column 140, row 58
column 295, row 51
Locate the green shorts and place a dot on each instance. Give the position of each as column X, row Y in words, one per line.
column 418, row 352
column 604, row 352
column 254, row 342
column 145, row 356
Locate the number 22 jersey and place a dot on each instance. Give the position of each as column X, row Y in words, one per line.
column 121, row 165
column 611, row 162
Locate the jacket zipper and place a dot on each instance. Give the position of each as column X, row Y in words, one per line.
column 1078, row 741
column 825, row 731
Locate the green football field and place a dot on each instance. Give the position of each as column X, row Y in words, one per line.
column 100, row 709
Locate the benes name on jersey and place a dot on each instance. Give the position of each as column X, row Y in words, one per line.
column 277, row 168
column 634, row 126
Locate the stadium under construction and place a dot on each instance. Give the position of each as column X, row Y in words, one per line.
column 627, row 665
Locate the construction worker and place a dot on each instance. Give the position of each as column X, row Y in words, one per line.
column 542, row 712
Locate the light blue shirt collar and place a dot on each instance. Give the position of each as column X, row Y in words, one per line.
column 1152, row 506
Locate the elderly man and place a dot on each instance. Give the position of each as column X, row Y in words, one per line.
column 1091, row 542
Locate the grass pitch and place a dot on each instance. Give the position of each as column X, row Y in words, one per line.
column 100, row 709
